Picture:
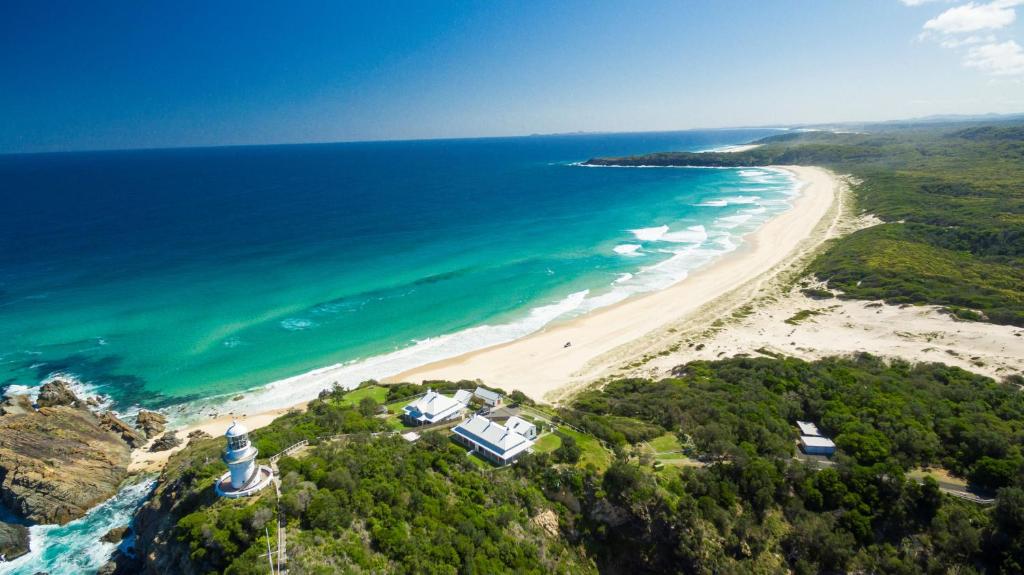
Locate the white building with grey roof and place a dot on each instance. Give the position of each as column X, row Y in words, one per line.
column 499, row 443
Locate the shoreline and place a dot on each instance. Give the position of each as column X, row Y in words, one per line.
column 540, row 366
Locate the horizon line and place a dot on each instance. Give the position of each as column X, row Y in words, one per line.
column 783, row 127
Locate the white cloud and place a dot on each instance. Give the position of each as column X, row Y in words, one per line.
column 1005, row 59
column 972, row 17
column 968, row 41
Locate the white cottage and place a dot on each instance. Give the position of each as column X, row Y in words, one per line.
column 499, row 443
column 435, row 408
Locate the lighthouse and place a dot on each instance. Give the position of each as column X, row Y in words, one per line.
column 244, row 476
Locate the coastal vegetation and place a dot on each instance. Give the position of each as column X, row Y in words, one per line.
column 950, row 198
column 698, row 472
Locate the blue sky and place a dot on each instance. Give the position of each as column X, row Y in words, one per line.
column 93, row 75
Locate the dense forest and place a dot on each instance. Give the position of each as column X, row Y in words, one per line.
column 951, row 197
column 754, row 508
column 739, row 501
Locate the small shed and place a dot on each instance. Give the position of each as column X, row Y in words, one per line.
column 807, row 428
column 817, row 445
column 488, row 397
column 522, row 427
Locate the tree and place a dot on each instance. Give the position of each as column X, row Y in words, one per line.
column 568, row 451
column 992, row 473
column 368, row 406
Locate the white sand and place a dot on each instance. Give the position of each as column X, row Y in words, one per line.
column 913, row 333
column 540, row 366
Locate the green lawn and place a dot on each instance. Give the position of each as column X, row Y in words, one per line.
column 480, row 461
column 395, row 422
column 547, row 443
column 395, row 417
column 665, row 443
column 593, row 452
column 376, row 392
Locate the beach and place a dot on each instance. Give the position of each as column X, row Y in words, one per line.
column 603, row 342
column 541, row 365
column 738, row 304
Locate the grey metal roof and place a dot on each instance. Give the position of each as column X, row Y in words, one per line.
column 487, row 394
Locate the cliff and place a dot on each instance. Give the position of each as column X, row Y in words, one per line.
column 58, row 461
column 184, row 486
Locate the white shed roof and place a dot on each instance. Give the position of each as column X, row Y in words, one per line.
column 487, row 394
column 807, row 428
column 816, row 441
column 520, row 425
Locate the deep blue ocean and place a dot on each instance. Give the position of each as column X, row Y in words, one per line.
column 173, row 278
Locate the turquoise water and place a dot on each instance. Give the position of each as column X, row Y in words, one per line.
column 170, row 278
column 77, row 548
column 159, row 278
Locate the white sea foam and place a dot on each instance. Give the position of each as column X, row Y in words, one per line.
column 729, row 222
column 649, row 234
column 692, row 234
column 712, row 204
column 742, row 200
column 16, row 389
column 305, row 387
column 757, row 210
column 297, row 324
column 627, row 249
column 78, row 547
column 233, row 342
column 623, row 278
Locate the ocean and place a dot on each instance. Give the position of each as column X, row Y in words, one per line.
column 168, row 277
column 174, row 279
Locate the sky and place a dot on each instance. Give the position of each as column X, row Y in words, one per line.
column 108, row 75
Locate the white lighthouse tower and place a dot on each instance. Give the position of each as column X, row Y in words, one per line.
column 244, row 477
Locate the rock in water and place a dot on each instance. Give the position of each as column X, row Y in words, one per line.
column 57, row 462
column 13, row 540
column 56, row 392
column 150, row 422
column 133, row 438
column 169, row 440
column 115, row 535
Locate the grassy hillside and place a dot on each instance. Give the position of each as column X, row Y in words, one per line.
column 951, row 197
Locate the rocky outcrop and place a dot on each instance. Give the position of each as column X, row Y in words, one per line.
column 150, row 423
column 169, row 440
column 121, row 564
column 13, row 540
column 56, row 392
column 198, row 434
column 178, row 493
column 57, row 462
column 115, row 535
column 133, row 438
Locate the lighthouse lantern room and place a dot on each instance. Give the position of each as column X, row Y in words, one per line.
column 244, row 476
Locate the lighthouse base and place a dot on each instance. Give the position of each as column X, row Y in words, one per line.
column 260, row 479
